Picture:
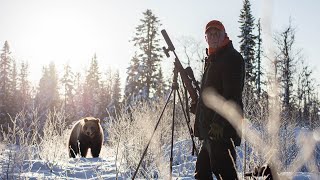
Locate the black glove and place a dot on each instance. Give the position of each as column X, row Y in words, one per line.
column 216, row 131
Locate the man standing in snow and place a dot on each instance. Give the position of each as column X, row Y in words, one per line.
column 224, row 72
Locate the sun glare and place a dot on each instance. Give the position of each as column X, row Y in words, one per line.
column 40, row 32
column 60, row 32
column 54, row 33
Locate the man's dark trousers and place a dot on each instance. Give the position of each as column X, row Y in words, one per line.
column 217, row 157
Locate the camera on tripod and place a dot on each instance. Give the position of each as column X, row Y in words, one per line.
column 186, row 74
column 193, row 89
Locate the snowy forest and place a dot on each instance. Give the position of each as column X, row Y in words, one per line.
column 36, row 119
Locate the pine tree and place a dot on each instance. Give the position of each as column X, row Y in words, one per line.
column 247, row 42
column 147, row 41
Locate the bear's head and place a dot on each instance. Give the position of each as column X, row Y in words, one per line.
column 91, row 126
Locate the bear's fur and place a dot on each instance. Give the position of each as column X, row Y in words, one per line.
column 86, row 133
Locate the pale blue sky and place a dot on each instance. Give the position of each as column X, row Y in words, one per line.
column 41, row 31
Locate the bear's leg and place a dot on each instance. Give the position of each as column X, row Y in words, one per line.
column 83, row 150
column 73, row 151
column 95, row 150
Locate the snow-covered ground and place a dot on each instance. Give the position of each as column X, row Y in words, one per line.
column 105, row 166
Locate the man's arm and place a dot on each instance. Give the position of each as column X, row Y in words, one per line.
column 233, row 79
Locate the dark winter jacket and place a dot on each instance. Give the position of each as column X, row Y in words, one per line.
column 225, row 71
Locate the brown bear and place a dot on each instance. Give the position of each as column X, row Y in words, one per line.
column 86, row 133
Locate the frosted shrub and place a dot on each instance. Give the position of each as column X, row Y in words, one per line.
column 131, row 132
column 53, row 147
column 19, row 142
column 26, row 141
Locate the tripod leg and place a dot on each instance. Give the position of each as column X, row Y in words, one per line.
column 188, row 124
column 145, row 150
column 187, row 110
column 172, row 131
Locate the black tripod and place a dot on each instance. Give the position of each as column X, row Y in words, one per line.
column 174, row 90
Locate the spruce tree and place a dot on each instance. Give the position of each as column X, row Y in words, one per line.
column 286, row 65
column 106, row 107
column 91, row 89
column 54, row 86
column 247, row 49
column 308, row 90
column 6, row 94
column 247, row 42
column 247, row 45
column 305, row 96
column 259, row 70
column 24, row 87
column 134, row 80
column 105, row 95
column 79, row 95
column 67, row 83
column 116, row 91
column 314, row 111
column 14, row 100
column 47, row 97
column 147, row 41
column 161, row 86
column 261, row 94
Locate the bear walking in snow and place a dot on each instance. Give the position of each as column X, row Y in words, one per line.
column 86, row 133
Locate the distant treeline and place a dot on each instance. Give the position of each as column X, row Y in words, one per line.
column 96, row 93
